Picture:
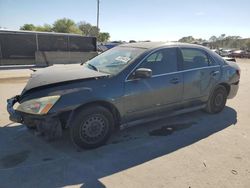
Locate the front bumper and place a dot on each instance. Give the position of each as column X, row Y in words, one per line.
column 48, row 124
column 13, row 114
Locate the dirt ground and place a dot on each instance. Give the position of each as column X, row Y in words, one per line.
column 191, row 150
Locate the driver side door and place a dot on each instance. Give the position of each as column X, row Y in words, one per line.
column 154, row 94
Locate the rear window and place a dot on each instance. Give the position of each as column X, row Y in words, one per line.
column 194, row 58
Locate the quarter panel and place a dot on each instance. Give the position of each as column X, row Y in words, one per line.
column 191, row 84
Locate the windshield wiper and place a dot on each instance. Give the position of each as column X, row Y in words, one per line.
column 82, row 62
column 93, row 67
column 88, row 64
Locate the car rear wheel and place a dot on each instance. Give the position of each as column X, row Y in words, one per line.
column 217, row 100
column 91, row 127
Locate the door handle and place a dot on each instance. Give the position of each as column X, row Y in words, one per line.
column 214, row 73
column 174, row 81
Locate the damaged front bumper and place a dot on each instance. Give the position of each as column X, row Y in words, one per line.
column 48, row 125
column 13, row 114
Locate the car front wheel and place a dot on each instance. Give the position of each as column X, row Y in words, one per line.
column 91, row 127
column 217, row 100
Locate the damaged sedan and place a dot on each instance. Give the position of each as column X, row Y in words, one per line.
column 126, row 84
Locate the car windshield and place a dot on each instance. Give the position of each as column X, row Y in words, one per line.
column 114, row 60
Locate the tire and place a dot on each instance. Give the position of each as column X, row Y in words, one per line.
column 217, row 100
column 91, row 127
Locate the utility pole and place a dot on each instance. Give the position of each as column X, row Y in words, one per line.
column 98, row 8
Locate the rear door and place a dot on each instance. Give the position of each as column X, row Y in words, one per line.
column 164, row 88
column 200, row 74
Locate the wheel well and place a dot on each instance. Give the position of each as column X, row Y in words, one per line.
column 107, row 105
column 226, row 86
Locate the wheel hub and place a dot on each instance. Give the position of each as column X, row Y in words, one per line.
column 218, row 99
column 93, row 128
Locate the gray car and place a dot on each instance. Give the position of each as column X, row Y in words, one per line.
column 124, row 85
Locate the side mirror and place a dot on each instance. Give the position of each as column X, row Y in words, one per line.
column 142, row 73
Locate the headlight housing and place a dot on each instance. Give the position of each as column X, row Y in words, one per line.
column 38, row 106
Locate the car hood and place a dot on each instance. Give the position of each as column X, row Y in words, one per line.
column 60, row 73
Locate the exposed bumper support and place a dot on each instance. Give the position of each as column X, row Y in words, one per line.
column 13, row 115
column 48, row 125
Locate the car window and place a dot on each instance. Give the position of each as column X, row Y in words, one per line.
column 194, row 58
column 162, row 61
column 212, row 62
column 156, row 57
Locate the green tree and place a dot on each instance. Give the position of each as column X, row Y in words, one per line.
column 221, row 37
column 103, row 37
column 213, row 39
column 44, row 28
column 188, row 39
column 247, row 44
column 65, row 25
column 31, row 27
column 88, row 30
column 28, row 27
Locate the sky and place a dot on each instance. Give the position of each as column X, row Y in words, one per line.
column 155, row 20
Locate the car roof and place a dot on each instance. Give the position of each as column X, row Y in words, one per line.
column 153, row 45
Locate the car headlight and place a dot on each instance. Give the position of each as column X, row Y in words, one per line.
column 38, row 106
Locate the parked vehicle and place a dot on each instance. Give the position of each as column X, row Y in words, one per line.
column 110, row 45
column 247, row 55
column 125, row 84
column 238, row 54
column 229, row 59
column 226, row 52
column 216, row 51
column 101, row 48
